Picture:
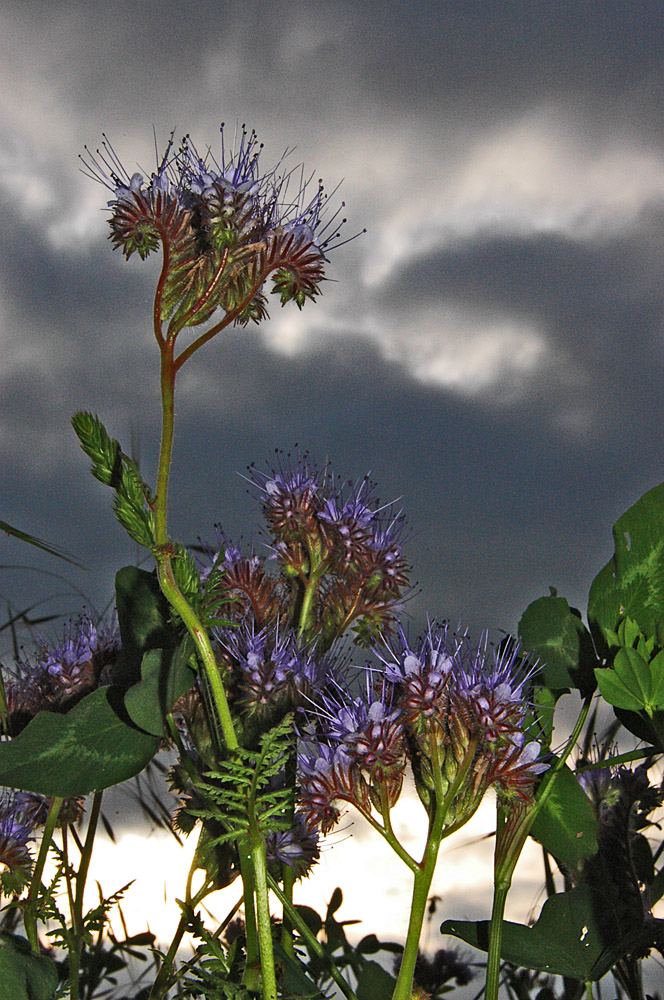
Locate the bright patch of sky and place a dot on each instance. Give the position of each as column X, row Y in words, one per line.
column 532, row 176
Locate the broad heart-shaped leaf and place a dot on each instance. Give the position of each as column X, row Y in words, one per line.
column 566, row 824
column 565, row 941
column 554, row 632
column 23, row 975
column 165, row 677
column 93, row 746
column 143, row 619
column 632, row 582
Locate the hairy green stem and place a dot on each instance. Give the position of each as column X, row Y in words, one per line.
column 165, row 976
column 258, row 855
column 30, row 912
column 165, row 573
column 513, row 826
column 444, row 801
column 251, row 978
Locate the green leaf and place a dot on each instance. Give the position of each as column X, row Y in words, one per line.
column 143, row 619
column 23, row 975
column 165, row 677
column 374, row 983
column 631, row 668
column 657, row 680
column 566, row 824
column 614, row 691
column 336, row 900
column 632, row 582
column 650, row 730
column 93, row 746
column 554, row 632
column 565, row 941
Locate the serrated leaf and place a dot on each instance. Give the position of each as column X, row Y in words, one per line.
column 554, row 632
column 565, row 941
column 93, row 746
column 23, row 975
column 632, row 582
column 566, row 824
column 165, row 677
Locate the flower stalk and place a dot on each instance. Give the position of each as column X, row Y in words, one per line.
column 513, row 825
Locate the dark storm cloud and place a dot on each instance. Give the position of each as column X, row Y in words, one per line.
column 599, row 303
column 496, row 60
column 501, row 502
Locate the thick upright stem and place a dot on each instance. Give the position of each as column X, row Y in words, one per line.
column 514, row 823
column 424, row 874
column 268, row 975
column 164, row 558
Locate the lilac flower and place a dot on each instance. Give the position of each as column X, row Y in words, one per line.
column 225, row 226
column 60, row 673
column 269, row 668
column 423, row 674
column 356, row 752
column 369, row 730
column 240, row 588
column 338, row 539
column 296, row 847
column 290, row 501
column 16, row 832
column 471, row 700
column 327, row 775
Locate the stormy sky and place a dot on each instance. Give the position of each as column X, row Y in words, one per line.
column 491, row 350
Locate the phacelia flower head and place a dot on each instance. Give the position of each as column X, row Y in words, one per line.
column 340, row 537
column 296, row 847
column 225, row 227
column 269, row 670
column 471, row 701
column 327, row 775
column 237, row 587
column 61, row 673
column 17, row 824
column 356, row 751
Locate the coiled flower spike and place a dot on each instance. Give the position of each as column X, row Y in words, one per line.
column 224, row 227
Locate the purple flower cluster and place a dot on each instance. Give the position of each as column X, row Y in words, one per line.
column 269, row 672
column 470, row 700
column 359, row 754
column 237, row 586
column 296, row 847
column 442, row 704
column 62, row 673
column 228, row 226
column 17, row 824
column 337, row 539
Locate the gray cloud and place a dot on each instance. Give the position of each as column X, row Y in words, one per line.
column 458, row 134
